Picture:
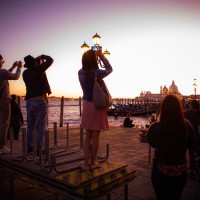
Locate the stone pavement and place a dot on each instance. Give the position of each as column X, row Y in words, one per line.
column 125, row 147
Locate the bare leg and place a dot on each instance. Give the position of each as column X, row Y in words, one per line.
column 87, row 147
column 95, row 146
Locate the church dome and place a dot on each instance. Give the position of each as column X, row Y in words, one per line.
column 173, row 89
column 148, row 92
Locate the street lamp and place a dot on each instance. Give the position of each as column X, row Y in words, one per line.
column 96, row 39
column 195, row 88
column 106, row 53
column 84, row 47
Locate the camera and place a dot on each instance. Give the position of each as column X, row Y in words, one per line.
column 17, row 62
column 94, row 48
column 39, row 60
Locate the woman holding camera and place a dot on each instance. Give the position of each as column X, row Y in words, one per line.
column 93, row 120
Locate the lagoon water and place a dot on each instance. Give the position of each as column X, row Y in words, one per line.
column 71, row 114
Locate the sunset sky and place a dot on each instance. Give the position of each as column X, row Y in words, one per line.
column 151, row 44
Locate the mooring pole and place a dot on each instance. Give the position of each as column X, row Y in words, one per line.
column 61, row 111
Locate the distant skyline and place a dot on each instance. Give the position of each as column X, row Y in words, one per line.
column 151, row 42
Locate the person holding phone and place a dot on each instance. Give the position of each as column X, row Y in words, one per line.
column 5, row 98
column 37, row 88
column 93, row 120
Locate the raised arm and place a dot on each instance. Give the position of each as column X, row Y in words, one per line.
column 16, row 75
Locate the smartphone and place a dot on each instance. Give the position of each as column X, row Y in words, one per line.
column 94, row 48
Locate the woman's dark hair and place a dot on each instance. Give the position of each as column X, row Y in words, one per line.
column 89, row 60
column 173, row 127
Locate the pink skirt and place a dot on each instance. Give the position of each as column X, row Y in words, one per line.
column 93, row 119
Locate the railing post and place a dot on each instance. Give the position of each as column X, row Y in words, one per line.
column 55, row 133
column 61, row 111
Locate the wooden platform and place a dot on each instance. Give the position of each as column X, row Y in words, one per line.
column 76, row 184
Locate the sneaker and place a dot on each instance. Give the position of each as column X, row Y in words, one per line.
column 4, row 150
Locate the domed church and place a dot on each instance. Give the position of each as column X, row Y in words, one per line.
column 173, row 89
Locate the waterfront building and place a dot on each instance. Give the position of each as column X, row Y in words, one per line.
column 148, row 96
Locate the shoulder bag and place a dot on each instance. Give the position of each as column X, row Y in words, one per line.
column 101, row 95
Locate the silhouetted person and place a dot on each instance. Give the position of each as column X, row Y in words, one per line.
column 171, row 136
column 5, row 97
column 37, row 88
column 193, row 115
column 93, row 120
column 16, row 118
column 152, row 120
column 128, row 122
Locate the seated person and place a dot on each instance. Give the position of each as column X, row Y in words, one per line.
column 128, row 122
column 152, row 120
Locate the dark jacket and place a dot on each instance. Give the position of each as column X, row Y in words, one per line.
column 193, row 115
column 163, row 154
column 16, row 114
column 36, row 80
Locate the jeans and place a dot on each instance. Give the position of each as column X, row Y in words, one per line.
column 167, row 187
column 5, row 110
column 37, row 111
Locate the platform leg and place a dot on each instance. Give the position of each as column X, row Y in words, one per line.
column 2, row 183
column 108, row 196
column 11, row 184
column 56, row 196
column 126, row 192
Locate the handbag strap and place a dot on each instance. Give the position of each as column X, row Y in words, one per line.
column 97, row 78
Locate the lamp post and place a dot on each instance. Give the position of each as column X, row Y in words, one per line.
column 96, row 39
column 106, row 53
column 195, row 88
column 84, row 47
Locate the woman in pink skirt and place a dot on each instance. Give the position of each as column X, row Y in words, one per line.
column 93, row 120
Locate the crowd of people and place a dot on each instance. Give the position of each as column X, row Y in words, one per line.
column 37, row 89
column 171, row 135
column 93, row 120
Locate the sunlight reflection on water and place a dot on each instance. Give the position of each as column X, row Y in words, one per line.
column 71, row 115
